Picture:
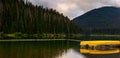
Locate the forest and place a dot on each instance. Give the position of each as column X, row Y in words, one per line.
column 22, row 19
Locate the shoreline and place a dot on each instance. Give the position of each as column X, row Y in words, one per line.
column 38, row 40
column 28, row 40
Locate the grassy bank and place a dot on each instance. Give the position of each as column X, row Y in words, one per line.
column 19, row 35
column 107, row 35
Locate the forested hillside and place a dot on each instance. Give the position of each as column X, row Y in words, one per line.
column 22, row 16
column 104, row 20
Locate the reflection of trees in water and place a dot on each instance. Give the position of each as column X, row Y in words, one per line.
column 33, row 49
column 102, row 56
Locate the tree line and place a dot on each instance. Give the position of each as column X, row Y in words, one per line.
column 22, row 16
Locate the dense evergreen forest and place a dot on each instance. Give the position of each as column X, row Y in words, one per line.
column 22, row 16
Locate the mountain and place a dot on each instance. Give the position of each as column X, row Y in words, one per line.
column 22, row 16
column 105, row 19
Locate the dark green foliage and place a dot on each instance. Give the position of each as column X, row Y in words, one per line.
column 20, row 16
column 18, row 35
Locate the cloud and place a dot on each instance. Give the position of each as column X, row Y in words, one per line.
column 74, row 8
column 118, row 2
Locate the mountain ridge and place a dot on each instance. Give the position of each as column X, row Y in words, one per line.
column 101, row 18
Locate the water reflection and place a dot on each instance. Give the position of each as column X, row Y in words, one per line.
column 51, row 49
column 102, row 56
column 71, row 53
column 48, row 49
column 99, row 51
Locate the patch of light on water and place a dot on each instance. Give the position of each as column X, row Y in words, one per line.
column 71, row 54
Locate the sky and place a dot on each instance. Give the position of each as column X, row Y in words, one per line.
column 74, row 8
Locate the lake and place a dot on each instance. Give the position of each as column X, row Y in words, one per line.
column 47, row 49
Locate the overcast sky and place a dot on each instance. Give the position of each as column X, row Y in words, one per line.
column 74, row 8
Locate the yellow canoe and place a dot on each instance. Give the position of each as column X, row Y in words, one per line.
column 101, row 42
column 100, row 47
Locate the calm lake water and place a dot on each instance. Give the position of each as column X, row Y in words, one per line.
column 47, row 49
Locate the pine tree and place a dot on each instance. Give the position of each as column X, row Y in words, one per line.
column 22, row 16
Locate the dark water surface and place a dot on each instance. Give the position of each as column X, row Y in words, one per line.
column 46, row 49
